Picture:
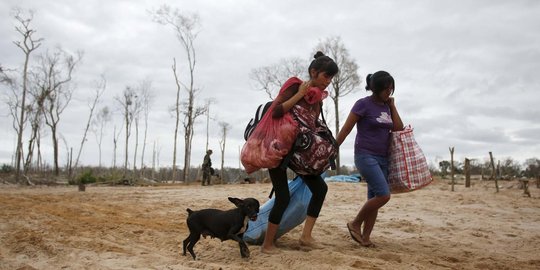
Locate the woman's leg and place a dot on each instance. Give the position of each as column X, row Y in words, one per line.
column 374, row 169
column 367, row 217
column 318, row 189
column 282, row 197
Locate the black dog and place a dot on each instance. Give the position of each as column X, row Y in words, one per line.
column 225, row 225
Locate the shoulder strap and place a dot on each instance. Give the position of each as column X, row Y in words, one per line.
column 332, row 160
column 322, row 114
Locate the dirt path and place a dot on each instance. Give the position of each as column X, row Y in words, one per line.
column 142, row 228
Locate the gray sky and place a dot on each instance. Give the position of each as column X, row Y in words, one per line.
column 466, row 71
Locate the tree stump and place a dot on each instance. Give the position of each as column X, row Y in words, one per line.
column 467, row 172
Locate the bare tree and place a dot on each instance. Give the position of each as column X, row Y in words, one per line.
column 127, row 103
column 146, row 103
column 208, row 102
column 186, row 28
column 189, row 122
column 4, row 77
column 13, row 102
column 136, row 120
column 116, row 137
column 69, row 151
column 347, row 79
column 154, row 161
column 98, row 125
column 224, row 128
column 142, row 96
column 157, row 152
column 177, row 119
column 34, row 118
column 271, row 78
column 28, row 44
column 35, row 113
column 100, row 88
column 55, row 74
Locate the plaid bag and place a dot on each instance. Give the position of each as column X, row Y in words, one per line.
column 408, row 169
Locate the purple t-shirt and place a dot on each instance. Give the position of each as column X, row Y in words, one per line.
column 373, row 128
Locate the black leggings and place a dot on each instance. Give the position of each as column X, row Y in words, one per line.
column 315, row 183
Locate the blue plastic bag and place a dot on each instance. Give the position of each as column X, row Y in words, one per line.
column 294, row 215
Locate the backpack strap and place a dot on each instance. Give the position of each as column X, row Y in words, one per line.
column 322, row 114
column 261, row 111
column 332, row 160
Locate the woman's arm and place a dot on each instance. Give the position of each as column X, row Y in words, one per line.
column 290, row 99
column 352, row 119
column 396, row 119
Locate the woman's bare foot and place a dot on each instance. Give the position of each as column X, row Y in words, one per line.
column 270, row 250
column 367, row 243
column 309, row 242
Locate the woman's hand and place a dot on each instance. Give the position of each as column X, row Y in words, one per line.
column 303, row 89
column 396, row 119
column 390, row 102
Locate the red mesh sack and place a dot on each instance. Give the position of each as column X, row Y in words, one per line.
column 408, row 169
column 271, row 140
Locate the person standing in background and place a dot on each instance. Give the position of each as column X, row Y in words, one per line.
column 207, row 167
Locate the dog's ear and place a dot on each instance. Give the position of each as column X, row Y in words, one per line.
column 236, row 201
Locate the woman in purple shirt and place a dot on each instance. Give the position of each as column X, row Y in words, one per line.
column 374, row 116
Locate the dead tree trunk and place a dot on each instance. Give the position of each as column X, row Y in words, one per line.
column 452, row 166
column 99, row 91
column 27, row 45
column 467, row 173
column 222, row 142
column 493, row 174
column 177, row 120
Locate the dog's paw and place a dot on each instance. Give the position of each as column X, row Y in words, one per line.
column 244, row 251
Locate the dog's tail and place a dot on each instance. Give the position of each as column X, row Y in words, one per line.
column 189, row 211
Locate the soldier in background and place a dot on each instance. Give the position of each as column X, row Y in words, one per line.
column 207, row 168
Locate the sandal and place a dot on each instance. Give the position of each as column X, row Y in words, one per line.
column 354, row 235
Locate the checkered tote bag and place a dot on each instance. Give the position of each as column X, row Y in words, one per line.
column 408, row 169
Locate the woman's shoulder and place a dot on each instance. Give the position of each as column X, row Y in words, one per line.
column 292, row 81
column 291, row 86
column 362, row 101
column 363, row 106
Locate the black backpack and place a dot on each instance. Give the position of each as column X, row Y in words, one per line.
column 261, row 110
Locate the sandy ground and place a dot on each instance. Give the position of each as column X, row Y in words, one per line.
column 142, row 228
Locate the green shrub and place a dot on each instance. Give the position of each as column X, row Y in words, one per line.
column 6, row 168
column 86, row 177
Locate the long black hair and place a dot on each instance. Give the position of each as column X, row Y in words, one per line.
column 323, row 63
column 379, row 81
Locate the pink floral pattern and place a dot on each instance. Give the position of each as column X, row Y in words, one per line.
column 316, row 158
